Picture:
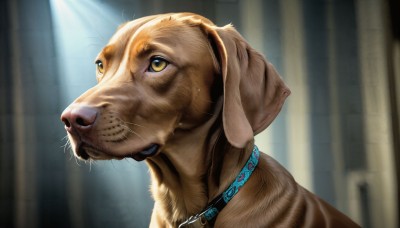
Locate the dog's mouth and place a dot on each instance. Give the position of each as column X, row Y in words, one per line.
column 87, row 152
column 148, row 152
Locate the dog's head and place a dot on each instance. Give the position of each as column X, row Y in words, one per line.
column 159, row 75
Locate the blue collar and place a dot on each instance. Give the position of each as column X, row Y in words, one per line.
column 215, row 206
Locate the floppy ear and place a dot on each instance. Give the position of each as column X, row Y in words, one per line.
column 253, row 91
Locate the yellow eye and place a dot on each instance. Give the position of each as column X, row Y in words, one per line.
column 99, row 66
column 157, row 64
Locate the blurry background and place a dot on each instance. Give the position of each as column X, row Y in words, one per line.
column 338, row 133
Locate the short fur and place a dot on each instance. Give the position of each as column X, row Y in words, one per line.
column 203, row 111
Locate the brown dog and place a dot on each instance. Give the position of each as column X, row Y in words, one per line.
column 188, row 97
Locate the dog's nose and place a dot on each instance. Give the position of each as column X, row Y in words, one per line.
column 79, row 116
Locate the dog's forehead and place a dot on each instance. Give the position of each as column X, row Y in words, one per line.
column 175, row 37
column 156, row 25
column 119, row 41
column 126, row 30
column 168, row 33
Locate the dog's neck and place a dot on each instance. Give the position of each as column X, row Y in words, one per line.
column 189, row 174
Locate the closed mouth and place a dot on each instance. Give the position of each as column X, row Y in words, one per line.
column 86, row 152
column 148, row 152
column 82, row 153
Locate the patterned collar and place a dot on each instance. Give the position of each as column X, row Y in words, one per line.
column 214, row 207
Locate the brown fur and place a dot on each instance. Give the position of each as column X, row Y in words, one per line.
column 203, row 110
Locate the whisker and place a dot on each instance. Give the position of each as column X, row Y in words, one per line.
column 67, row 144
column 112, row 163
column 125, row 122
column 76, row 159
column 68, row 147
column 63, row 138
column 123, row 138
column 132, row 131
column 90, row 164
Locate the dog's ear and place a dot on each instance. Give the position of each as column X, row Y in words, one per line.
column 253, row 91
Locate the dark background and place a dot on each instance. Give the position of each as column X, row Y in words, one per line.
column 338, row 133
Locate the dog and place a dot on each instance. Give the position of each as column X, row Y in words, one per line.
column 188, row 97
